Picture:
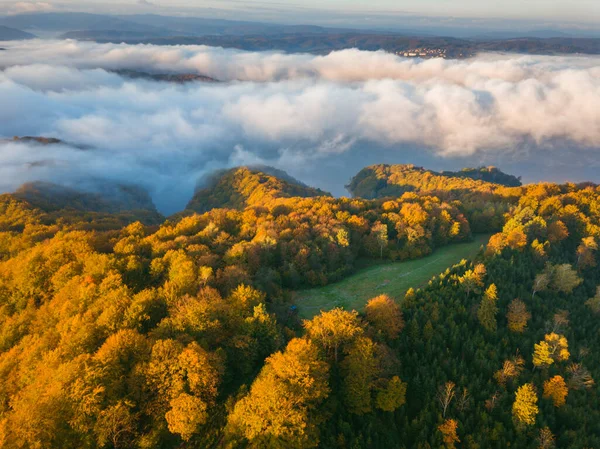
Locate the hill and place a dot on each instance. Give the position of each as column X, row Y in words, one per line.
column 60, row 22
column 117, row 200
column 13, row 34
column 248, row 186
column 381, row 181
column 487, row 174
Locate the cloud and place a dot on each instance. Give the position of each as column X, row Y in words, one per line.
column 297, row 112
column 145, row 3
column 29, row 7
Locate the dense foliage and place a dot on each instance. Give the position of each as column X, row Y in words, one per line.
column 380, row 181
column 246, row 186
column 115, row 334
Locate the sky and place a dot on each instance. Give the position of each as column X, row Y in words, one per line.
column 340, row 12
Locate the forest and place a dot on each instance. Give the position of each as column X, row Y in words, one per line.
column 121, row 328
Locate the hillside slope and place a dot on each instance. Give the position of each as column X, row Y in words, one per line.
column 249, row 186
column 13, row 34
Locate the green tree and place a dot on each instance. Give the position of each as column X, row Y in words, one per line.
column 392, row 395
column 360, row 368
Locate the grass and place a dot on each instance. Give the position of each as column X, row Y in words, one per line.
column 393, row 279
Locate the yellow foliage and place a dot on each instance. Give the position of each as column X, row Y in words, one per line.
column 516, row 239
column 556, row 389
column 554, row 348
column 333, row 329
column 511, row 369
column 385, row 316
column 186, row 414
column 281, row 398
column 448, row 429
column 525, row 407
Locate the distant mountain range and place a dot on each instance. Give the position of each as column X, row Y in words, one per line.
column 148, row 26
column 256, row 36
column 13, row 34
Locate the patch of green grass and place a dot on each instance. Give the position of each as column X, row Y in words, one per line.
column 393, row 279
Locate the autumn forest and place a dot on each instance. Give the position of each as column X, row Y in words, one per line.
column 121, row 328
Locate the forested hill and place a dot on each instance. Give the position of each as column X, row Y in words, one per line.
column 113, row 199
column 380, row 181
column 487, row 174
column 240, row 187
column 115, row 334
column 39, row 210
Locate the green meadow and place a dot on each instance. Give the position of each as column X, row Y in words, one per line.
column 393, row 279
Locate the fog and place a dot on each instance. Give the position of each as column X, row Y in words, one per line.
column 321, row 118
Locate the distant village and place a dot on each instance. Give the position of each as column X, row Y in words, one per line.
column 429, row 53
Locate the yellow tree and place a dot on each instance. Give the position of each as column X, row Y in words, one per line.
column 516, row 239
column 556, row 389
column 185, row 383
column 511, row 369
column 116, row 425
column 496, row 244
column 333, row 329
column 557, row 232
column 472, row 280
column 278, row 410
column 487, row 309
column 525, row 407
column 554, row 348
column 517, row 316
column 448, row 429
column 186, row 415
column 585, row 252
column 385, row 316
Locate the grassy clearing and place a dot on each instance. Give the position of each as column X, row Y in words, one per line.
column 393, row 279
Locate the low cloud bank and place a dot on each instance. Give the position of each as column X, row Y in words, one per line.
column 290, row 111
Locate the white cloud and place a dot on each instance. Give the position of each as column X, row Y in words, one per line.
column 290, row 111
column 29, row 7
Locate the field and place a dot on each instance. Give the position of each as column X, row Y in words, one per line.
column 393, row 279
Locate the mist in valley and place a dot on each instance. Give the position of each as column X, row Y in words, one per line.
column 319, row 118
